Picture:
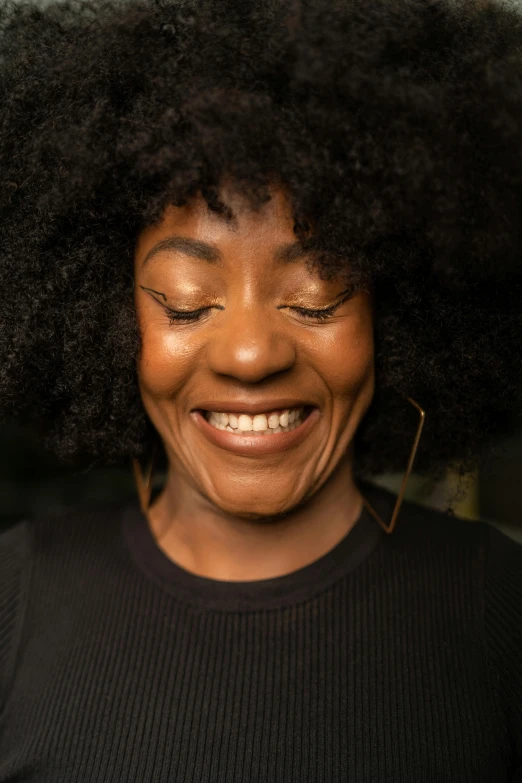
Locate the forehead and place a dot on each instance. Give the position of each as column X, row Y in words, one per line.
column 267, row 226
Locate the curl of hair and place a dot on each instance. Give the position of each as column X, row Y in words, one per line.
column 396, row 127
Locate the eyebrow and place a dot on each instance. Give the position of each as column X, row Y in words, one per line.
column 204, row 252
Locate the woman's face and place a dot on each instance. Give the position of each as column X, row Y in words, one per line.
column 293, row 383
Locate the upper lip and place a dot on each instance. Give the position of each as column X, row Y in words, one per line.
column 251, row 408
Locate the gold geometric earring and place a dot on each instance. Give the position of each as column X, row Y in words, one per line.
column 144, row 482
column 389, row 528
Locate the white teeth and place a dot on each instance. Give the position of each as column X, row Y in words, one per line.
column 261, row 424
column 273, row 421
column 245, row 423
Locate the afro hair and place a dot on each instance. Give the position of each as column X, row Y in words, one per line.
column 396, row 127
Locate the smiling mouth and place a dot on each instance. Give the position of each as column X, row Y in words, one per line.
column 262, row 424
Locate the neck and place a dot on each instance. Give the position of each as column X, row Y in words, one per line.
column 205, row 541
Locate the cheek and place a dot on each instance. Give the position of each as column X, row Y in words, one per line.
column 166, row 360
column 345, row 358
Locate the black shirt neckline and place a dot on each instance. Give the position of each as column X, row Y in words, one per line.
column 294, row 587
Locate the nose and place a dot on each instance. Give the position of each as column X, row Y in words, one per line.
column 250, row 345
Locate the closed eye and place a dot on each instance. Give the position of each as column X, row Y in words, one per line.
column 324, row 313
column 190, row 316
column 184, row 316
column 318, row 315
column 175, row 316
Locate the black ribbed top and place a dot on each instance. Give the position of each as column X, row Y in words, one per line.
column 390, row 658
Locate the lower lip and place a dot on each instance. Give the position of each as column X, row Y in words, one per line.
column 255, row 445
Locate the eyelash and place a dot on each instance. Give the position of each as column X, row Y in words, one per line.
column 318, row 315
column 178, row 316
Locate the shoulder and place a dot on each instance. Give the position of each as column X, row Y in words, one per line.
column 77, row 525
column 48, row 562
column 39, row 550
column 73, row 543
column 503, row 566
column 503, row 604
column 16, row 548
column 480, row 557
column 497, row 554
column 475, row 557
column 420, row 527
column 503, row 626
column 483, row 565
column 491, row 559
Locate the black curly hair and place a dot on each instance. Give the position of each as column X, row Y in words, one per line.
column 396, row 127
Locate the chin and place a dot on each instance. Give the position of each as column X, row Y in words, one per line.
column 257, row 510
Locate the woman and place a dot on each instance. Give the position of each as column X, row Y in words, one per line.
column 252, row 244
